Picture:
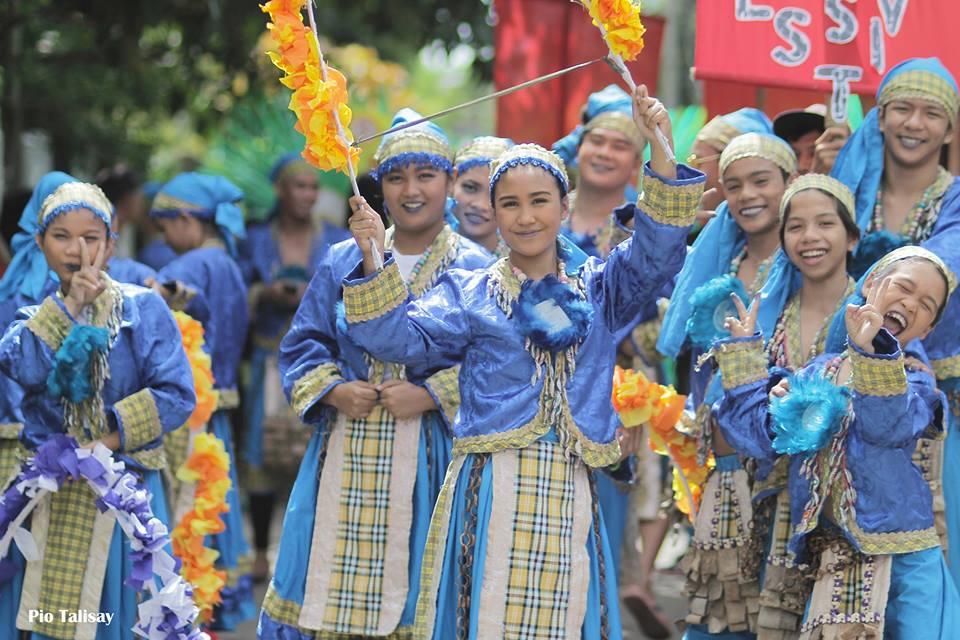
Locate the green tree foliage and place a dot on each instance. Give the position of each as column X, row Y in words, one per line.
column 111, row 79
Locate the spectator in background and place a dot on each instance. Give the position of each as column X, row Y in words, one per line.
column 815, row 143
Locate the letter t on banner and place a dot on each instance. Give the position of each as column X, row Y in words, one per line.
column 841, row 76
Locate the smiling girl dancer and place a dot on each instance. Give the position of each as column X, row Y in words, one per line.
column 861, row 513
column 516, row 546
column 734, row 251
column 356, row 522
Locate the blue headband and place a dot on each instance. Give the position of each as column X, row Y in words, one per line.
column 424, row 143
column 28, row 271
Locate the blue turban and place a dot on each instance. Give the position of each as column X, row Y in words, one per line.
column 860, row 163
column 611, row 108
column 28, row 271
column 206, row 197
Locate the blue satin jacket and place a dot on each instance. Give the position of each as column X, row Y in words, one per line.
column 317, row 354
column 891, row 407
column 150, row 387
column 461, row 321
column 216, row 296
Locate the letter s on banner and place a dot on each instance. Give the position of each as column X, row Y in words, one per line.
column 800, row 43
column 847, row 25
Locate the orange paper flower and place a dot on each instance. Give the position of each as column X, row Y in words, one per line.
column 192, row 333
column 639, row 401
column 316, row 102
column 620, row 19
column 209, row 467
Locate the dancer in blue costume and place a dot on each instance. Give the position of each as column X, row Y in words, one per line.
column 904, row 197
column 278, row 259
column 202, row 222
column 517, row 547
column 861, row 513
column 734, row 252
column 85, row 557
column 470, row 204
column 26, row 282
column 381, row 442
column 607, row 150
column 798, row 313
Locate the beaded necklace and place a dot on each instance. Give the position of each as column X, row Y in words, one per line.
column 785, row 345
column 923, row 216
column 762, row 270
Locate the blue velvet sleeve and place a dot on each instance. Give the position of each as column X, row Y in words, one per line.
column 24, row 357
column 742, row 413
column 634, row 273
column 309, row 352
column 892, row 408
column 426, row 335
column 164, row 370
column 742, row 416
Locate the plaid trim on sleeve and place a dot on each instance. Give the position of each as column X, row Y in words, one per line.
column 742, row 362
column 876, row 376
column 50, row 323
column 375, row 297
column 672, row 202
column 313, row 386
column 946, row 368
column 138, row 420
column 444, row 388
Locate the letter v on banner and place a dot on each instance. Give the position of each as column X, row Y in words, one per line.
column 893, row 12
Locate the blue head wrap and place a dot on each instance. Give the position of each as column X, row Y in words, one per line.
column 722, row 129
column 425, row 143
column 860, row 163
column 611, row 108
column 28, row 271
column 209, row 198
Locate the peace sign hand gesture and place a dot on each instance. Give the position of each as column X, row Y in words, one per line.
column 746, row 325
column 864, row 321
column 87, row 283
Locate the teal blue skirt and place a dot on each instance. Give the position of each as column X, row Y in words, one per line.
column 445, row 626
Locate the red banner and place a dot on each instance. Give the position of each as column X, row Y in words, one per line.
column 826, row 45
column 535, row 37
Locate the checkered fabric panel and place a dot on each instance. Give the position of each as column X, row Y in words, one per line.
column 878, row 376
column 376, row 297
column 538, row 587
column 674, row 205
column 444, row 386
column 742, row 362
column 139, row 419
column 72, row 512
column 356, row 579
column 50, row 324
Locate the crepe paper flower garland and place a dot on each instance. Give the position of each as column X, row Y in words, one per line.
column 169, row 612
column 191, row 331
column 316, row 101
column 639, row 401
column 620, row 22
column 209, row 468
